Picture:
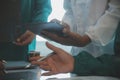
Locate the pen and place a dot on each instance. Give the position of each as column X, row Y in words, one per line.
column 41, row 59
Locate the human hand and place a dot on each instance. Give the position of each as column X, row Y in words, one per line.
column 1, row 68
column 25, row 39
column 71, row 38
column 60, row 62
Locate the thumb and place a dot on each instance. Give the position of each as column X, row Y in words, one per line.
column 59, row 52
column 53, row 48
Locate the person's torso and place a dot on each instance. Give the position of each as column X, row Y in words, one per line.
column 9, row 18
column 13, row 12
column 85, row 14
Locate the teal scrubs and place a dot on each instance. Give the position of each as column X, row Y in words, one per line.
column 31, row 11
column 35, row 11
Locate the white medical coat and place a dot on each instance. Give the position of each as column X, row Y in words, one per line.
column 89, row 17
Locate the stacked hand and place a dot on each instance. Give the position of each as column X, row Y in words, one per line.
column 60, row 62
column 71, row 38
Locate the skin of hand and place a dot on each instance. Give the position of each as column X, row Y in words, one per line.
column 25, row 39
column 1, row 68
column 71, row 38
column 60, row 62
column 1, row 65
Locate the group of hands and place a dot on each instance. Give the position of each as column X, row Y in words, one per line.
column 61, row 61
column 71, row 38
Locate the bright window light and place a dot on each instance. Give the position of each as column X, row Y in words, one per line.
column 57, row 13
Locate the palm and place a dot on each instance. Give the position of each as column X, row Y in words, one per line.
column 59, row 64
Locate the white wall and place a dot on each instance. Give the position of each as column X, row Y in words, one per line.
column 58, row 11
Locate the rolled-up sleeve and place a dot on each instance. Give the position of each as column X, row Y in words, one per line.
column 105, row 27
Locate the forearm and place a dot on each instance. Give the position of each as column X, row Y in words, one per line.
column 79, row 41
column 84, row 40
column 106, row 65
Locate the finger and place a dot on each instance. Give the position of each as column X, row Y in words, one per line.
column 18, row 43
column 61, row 54
column 53, row 37
column 39, row 63
column 45, row 67
column 72, row 35
column 27, row 41
column 50, row 35
column 55, row 49
column 22, row 41
column 35, row 58
column 22, row 37
column 65, row 25
column 26, row 35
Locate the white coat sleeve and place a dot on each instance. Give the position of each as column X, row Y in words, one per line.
column 68, row 16
column 105, row 27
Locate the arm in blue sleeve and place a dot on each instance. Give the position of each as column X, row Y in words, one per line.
column 105, row 65
column 42, row 9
